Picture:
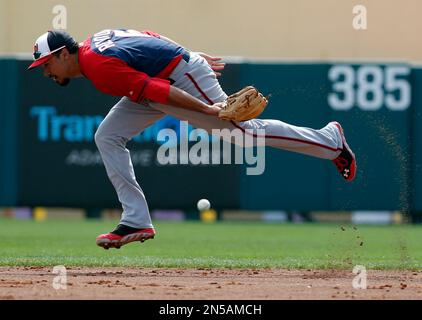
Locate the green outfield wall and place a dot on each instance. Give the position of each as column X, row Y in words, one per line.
column 48, row 156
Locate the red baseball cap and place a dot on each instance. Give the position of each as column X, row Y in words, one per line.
column 47, row 44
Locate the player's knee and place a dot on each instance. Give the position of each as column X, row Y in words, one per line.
column 98, row 138
column 103, row 140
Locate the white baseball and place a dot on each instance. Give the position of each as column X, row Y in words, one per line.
column 203, row 204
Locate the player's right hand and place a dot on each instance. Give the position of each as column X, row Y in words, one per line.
column 214, row 62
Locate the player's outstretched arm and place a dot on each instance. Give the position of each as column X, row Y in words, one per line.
column 181, row 99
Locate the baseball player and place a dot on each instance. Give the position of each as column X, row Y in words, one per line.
column 156, row 77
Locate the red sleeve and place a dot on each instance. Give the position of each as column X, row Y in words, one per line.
column 151, row 33
column 113, row 76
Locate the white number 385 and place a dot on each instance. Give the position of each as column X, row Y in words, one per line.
column 369, row 87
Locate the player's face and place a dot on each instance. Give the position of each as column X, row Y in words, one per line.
column 57, row 69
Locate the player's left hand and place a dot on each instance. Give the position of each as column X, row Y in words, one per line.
column 214, row 62
column 215, row 109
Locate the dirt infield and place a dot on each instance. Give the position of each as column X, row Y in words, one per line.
column 202, row 284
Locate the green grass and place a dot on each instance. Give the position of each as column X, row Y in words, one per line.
column 224, row 244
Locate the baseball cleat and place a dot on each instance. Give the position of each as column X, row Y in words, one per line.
column 124, row 235
column 346, row 161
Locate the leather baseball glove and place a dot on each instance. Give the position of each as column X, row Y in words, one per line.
column 243, row 105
